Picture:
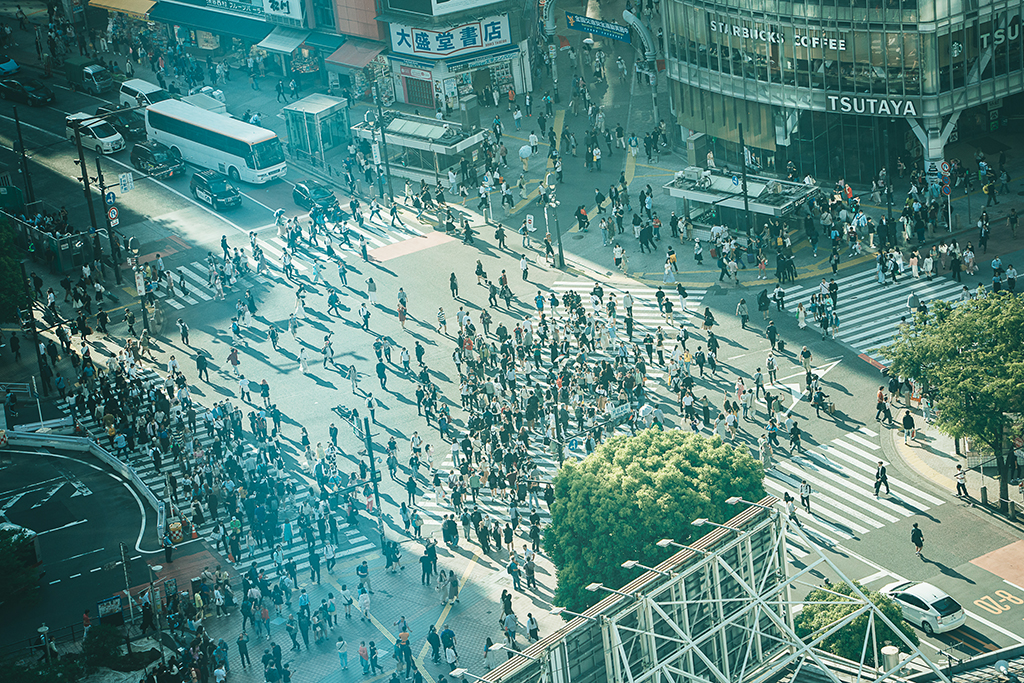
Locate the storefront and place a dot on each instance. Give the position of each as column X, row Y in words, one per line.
column 212, row 31
column 435, row 68
column 841, row 97
column 356, row 65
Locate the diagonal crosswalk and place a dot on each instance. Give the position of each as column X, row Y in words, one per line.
column 870, row 313
column 841, row 474
column 352, row 540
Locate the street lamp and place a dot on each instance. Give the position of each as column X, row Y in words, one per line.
column 702, row 521
column 736, row 500
column 154, row 601
column 631, row 564
column 558, row 611
column 666, row 542
column 502, row 646
column 593, row 587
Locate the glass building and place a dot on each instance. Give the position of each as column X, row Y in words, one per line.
column 841, row 88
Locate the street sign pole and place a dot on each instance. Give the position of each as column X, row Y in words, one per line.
column 111, row 222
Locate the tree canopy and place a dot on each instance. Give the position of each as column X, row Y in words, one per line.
column 824, row 607
column 970, row 358
column 617, row 503
column 18, row 574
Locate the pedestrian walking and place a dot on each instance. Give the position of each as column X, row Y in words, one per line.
column 881, row 479
column 917, row 538
column 805, row 496
column 961, row 482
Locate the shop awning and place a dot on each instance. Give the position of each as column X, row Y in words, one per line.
column 284, row 40
column 355, row 53
column 328, row 42
column 478, row 60
column 251, row 30
column 133, row 8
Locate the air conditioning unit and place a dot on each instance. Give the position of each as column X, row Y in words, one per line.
column 692, row 173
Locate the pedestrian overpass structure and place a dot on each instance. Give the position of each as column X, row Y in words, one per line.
column 720, row 611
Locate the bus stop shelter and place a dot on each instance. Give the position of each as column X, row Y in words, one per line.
column 316, row 124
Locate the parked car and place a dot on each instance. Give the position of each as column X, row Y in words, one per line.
column 926, row 606
column 8, row 66
column 130, row 124
column 157, row 160
column 27, row 90
column 215, row 189
column 309, row 194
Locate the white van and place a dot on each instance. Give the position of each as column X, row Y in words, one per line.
column 136, row 92
column 97, row 134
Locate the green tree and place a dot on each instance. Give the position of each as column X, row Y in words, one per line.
column 12, row 290
column 102, row 646
column 971, row 359
column 837, row 602
column 18, row 574
column 633, row 491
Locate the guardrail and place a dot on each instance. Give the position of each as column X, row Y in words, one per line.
column 87, row 444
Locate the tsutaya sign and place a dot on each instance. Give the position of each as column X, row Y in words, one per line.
column 874, row 106
column 777, row 37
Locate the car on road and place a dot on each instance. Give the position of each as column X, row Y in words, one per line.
column 128, row 123
column 8, row 66
column 27, row 90
column 214, row 189
column 926, row 606
column 97, row 134
column 157, row 160
column 309, row 194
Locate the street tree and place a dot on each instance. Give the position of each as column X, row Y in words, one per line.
column 824, row 607
column 617, row 503
column 970, row 359
column 19, row 575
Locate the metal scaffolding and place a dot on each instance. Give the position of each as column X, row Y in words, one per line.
column 720, row 611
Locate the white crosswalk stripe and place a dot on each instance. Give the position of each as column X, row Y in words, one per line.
column 870, row 313
column 842, row 475
column 353, row 541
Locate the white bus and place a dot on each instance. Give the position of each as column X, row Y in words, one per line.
column 240, row 150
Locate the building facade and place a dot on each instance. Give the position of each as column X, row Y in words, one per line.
column 444, row 50
column 841, row 90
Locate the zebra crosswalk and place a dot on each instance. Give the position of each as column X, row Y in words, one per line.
column 197, row 287
column 646, row 312
column 841, row 474
column 870, row 313
column 352, row 540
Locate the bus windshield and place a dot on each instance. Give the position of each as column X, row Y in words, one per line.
column 267, row 153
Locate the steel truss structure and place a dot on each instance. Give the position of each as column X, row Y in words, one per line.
column 721, row 612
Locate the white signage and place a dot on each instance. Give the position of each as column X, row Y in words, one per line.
column 457, row 40
column 284, row 8
column 875, row 106
column 777, row 38
column 127, row 182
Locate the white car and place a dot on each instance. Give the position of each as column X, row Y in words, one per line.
column 926, row 606
column 96, row 133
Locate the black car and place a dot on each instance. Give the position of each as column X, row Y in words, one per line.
column 309, row 194
column 129, row 124
column 157, row 160
column 27, row 90
column 214, row 189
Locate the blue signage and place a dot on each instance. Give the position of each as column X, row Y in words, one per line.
column 608, row 29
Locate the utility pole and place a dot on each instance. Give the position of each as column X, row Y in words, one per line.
column 106, row 218
column 743, row 181
column 558, row 230
column 368, row 444
column 383, row 141
column 30, row 196
column 32, row 323
column 77, row 125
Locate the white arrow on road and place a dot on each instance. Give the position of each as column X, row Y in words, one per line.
column 795, row 390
